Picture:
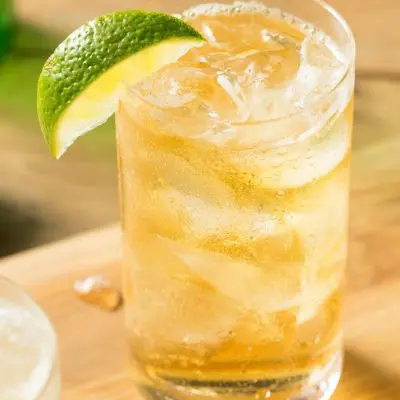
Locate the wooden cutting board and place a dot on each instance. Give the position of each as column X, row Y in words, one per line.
column 92, row 346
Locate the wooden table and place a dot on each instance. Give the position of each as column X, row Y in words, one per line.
column 94, row 367
column 93, row 351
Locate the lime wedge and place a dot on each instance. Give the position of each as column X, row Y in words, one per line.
column 78, row 86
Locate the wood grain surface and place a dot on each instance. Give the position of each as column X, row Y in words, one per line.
column 94, row 368
column 93, row 349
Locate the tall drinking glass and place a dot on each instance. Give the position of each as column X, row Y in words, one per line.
column 28, row 348
column 234, row 184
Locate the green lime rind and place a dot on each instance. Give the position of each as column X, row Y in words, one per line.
column 93, row 49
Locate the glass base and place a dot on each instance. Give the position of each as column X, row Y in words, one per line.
column 319, row 385
column 325, row 385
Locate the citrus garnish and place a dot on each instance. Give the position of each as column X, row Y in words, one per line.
column 78, row 86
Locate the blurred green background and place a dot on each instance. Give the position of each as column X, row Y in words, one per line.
column 41, row 199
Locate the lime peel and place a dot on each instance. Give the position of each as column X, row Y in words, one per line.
column 78, row 86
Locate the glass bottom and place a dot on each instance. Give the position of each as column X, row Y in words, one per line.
column 319, row 385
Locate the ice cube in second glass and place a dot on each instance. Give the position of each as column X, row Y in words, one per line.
column 26, row 346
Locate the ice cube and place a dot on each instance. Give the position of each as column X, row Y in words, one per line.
column 320, row 51
column 262, row 70
column 252, row 235
column 189, row 100
column 326, row 272
column 319, row 289
column 254, row 75
column 263, row 76
column 257, row 289
column 284, row 80
column 98, row 291
column 257, row 336
column 206, row 54
column 321, row 328
column 224, row 35
column 293, row 164
column 170, row 305
column 273, row 329
column 249, row 21
column 180, row 201
column 242, row 233
column 175, row 170
column 322, row 68
column 320, row 217
column 265, row 57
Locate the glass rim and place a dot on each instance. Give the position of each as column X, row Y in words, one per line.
column 310, row 101
column 24, row 295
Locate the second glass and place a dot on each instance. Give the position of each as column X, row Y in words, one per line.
column 234, row 181
column 29, row 368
